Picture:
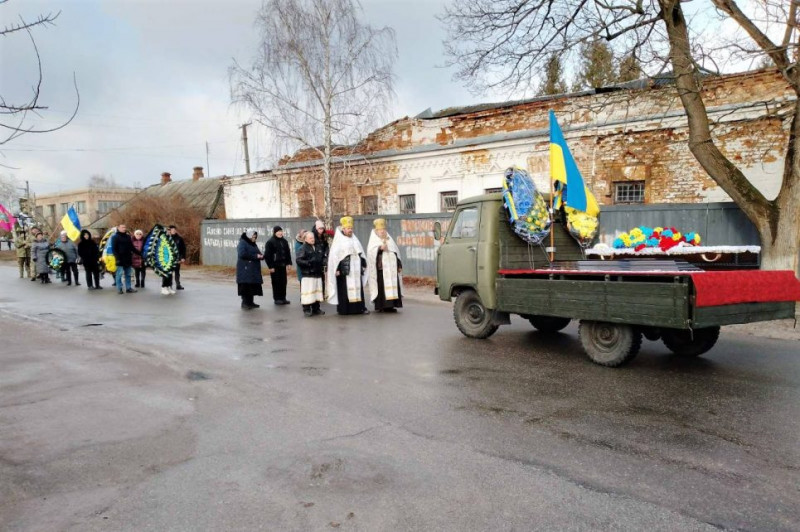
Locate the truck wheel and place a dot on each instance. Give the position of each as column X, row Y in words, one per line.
column 609, row 344
column 472, row 318
column 548, row 324
column 682, row 343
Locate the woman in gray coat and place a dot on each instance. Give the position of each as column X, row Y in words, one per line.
column 71, row 251
column 39, row 251
column 248, row 269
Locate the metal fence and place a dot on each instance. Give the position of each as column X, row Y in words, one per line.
column 412, row 232
column 717, row 223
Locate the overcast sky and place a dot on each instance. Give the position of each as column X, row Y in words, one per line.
column 153, row 85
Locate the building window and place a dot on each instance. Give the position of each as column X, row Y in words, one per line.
column 448, row 201
column 493, row 190
column 408, row 204
column 305, row 208
column 337, row 206
column 80, row 207
column 369, row 205
column 62, row 209
column 629, row 192
column 106, row 206
column 51, row 210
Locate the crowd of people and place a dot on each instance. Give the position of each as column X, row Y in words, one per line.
column 34, row 258
column 337, row 272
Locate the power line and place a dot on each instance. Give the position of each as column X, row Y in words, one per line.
column 121, row 148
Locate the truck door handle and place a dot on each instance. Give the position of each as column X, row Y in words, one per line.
column 472, row 249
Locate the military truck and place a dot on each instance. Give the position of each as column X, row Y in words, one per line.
column 492, row 273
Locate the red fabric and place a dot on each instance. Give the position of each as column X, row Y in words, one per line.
column 744, row 286
column 588, row 272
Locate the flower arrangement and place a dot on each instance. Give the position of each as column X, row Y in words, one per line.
column 582, row 226
column 527, row 209
column 664, row 238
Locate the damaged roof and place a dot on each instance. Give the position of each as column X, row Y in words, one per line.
column 204, row 194
column 645, row 83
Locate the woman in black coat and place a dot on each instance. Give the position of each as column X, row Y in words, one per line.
column 311, row 263
column 248, row 269
column 89, row 252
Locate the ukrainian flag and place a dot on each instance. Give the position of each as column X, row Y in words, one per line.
column 565, row 173
column 71, row 224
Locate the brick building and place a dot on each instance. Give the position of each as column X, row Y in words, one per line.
column 630, row 142
column 90, row 204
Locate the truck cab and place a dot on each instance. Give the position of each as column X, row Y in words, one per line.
column 479, row 241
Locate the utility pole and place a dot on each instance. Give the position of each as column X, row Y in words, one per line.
column 246, row 152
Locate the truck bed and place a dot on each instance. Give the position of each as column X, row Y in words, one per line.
column 672, row 297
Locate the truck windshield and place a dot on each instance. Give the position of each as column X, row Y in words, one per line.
column 466, row 225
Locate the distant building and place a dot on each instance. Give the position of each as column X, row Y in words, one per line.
column 204, row 193
column 90, row 204
column 630, row 142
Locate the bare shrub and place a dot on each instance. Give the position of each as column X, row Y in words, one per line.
column 143, row 212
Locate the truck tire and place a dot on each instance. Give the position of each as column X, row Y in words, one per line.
column 609, row 344
column 472, row 318
column 687, row 343
column 548, row 324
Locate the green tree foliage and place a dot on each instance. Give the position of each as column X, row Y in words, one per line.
column 597, row 66
column 629, row 69
column 554, row 77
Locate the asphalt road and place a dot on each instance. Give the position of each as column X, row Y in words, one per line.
column 143, row 412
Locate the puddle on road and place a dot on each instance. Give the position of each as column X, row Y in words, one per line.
column 92, row 325
column 197, row 376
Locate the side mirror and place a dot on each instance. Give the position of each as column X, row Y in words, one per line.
column 437, row 231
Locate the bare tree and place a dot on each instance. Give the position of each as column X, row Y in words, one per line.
column 15, row 117
column 321, row 78
column 102, row 181
column 505, row 43
column 554, row 77
column 9, row 192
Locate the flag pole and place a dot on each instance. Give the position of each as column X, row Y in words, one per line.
column 552, row 219
column 552, row 194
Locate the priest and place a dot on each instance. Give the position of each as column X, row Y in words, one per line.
column 347, row 271
column 385, row 267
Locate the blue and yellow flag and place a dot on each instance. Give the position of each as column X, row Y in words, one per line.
column 71, row 224
column 566, row 175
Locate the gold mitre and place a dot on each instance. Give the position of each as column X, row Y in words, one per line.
column 346, row 222
column 379, row 223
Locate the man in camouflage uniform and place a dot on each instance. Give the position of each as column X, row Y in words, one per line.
column 23, row 245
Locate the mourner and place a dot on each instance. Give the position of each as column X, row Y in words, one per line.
column 70, row 267
column 89, row 252
column 248, row 269
column 311, row 262
column 23, row 247
column 278, row 257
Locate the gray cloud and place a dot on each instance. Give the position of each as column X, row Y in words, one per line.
column 154, row 89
